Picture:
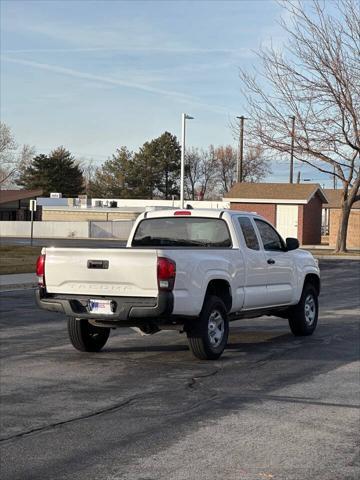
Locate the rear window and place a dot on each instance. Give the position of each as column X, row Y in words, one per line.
column 182, row 232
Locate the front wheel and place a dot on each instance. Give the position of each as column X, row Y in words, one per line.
column 86, row 337
column 304, row 316
column 208, row 338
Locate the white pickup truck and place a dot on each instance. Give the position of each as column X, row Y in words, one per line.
column 190, row 270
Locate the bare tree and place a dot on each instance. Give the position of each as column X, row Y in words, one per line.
column 317, row 80
column 255, row 166
column 200, row 172
column 7, row 154
column 192, row 172
column 25, row 157
column 226, row 158
column 89, row 169
column 19, row 164
column 208, row 173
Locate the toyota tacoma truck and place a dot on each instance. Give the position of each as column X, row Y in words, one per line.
column 189, row 270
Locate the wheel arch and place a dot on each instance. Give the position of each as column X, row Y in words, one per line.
column 220, row 288
column 313, row 279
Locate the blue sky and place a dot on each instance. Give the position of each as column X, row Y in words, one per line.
column 94, row 75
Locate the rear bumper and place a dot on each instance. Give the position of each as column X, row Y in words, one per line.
column 128, row 309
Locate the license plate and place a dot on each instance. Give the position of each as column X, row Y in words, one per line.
column 101, row 307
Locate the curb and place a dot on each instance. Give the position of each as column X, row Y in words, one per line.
column 337, row 257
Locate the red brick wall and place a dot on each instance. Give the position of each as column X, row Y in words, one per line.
column 309, row 218
column 310, row 222
column 267, row 210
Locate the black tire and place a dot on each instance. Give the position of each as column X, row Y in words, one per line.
column 304, row 316
column 86, row 337
column 208, row 338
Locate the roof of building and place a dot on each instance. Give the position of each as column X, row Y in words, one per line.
column 7, row 196
column 274, row 192
column 334, row 198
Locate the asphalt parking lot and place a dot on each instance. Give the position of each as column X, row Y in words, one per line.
column 273, row 407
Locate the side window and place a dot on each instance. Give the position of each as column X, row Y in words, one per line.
column 249, row 233
column 269, row 236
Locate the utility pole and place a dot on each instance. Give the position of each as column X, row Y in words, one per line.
column 335, row 182
column 291, row 177
column 241, row 150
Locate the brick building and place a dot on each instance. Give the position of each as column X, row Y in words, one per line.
column 295, row 209
column 331, row 219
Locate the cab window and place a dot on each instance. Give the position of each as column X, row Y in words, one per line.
column 249, row 233
column 269, row 236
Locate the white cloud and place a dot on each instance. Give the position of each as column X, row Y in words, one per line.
column 242, row 52
column 107, row 80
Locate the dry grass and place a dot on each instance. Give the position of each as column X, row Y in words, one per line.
column 18, row 259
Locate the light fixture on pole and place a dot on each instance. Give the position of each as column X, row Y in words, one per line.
column 184, row 117
column 239, row 169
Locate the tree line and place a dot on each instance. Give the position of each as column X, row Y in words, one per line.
column 151, row 172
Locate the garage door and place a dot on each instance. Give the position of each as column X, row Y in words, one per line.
column 287, row 220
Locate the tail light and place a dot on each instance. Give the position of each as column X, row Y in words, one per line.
column 40, row 270
column 166, row 272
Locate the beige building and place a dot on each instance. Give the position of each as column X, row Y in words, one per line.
column 331, row 218
column 78, row 214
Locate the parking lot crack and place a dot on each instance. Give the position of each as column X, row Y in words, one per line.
column 72, row 420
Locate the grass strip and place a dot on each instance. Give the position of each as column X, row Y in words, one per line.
column 18, row 259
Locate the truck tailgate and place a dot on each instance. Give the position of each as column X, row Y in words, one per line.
column 112, row 272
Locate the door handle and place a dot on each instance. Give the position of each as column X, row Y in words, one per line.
column 271, row 261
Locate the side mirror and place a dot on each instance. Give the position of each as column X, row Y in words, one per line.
column 292, row 243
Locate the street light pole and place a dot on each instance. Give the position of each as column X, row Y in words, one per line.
column 241, row 150
column 291, row 178
column 184, row 117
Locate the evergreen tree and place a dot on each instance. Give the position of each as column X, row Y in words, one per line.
column 56, row 172
column 157, row 166
column 154, row 171
column 168, row 152
column 113, row 178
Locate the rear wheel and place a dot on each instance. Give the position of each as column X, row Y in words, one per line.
column 304, row 316
column 86, row 337
column 208, row 338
